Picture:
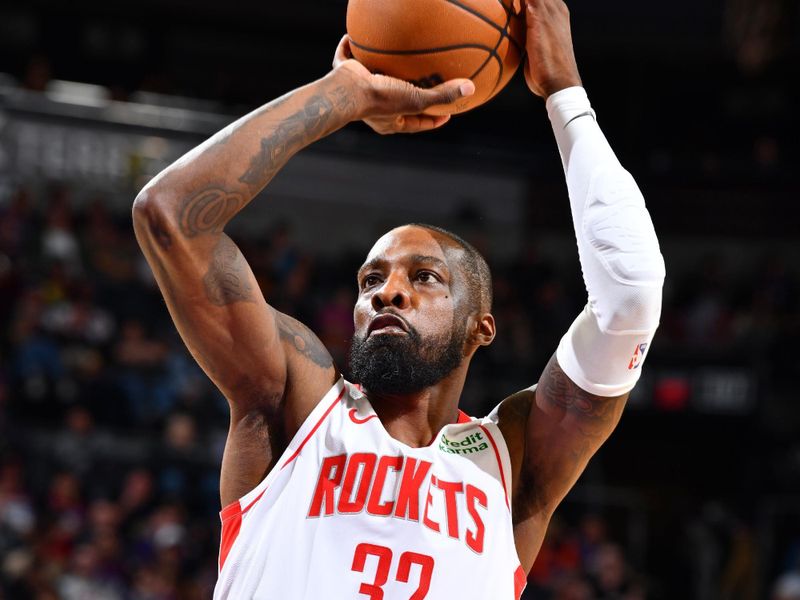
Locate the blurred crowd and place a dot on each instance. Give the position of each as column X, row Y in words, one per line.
column 110, row 435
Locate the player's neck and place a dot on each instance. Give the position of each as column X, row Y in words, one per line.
column 415, row 418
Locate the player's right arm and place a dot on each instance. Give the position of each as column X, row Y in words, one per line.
column 270, row 367
column 554, row 430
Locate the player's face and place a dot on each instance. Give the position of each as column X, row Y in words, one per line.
column 410, row 317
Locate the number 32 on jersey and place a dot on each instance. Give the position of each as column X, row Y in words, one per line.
column 374, row 590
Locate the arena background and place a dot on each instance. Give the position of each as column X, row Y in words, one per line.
column 110, row 437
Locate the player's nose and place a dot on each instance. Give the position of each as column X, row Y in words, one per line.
column 394, row 292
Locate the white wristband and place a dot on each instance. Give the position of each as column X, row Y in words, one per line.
column 565, row 109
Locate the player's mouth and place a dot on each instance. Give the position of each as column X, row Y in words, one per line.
column 387, row 324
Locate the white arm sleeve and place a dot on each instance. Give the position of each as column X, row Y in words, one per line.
column 620, row 258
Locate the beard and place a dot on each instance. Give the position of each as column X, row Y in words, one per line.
column 404, row 364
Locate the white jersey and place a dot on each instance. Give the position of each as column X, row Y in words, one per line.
column 349, row 512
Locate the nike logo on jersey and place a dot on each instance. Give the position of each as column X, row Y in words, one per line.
column 348, row 484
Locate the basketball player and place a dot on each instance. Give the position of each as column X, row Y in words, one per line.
column 382, row 488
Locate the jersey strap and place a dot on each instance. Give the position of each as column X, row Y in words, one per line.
column 231, row 516
column 498, row 442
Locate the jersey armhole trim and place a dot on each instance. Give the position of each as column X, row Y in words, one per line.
column 231, row 524
column 314, row 429
column 232, row 515
column 500, row 463
column 520, row 582
column 306, row 431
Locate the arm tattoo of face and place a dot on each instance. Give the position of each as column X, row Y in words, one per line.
column 208, row 211
column 227, row 279
column 303, row 340
column 293, row 133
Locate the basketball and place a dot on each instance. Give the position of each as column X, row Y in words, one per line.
column 428, row 42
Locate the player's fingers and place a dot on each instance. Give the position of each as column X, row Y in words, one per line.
column 440, row 120
column 417, row 123
column 343, row 52
column 427, row 122
column 446, row 93
column 385, row 126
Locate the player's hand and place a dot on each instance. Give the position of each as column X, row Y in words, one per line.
column 550, row 64
column 390, row 105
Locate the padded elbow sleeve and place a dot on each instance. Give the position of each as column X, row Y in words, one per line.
column 621, row 261
column 620, row 257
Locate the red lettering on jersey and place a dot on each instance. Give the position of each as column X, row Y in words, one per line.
column 407, row 506
column 476, row 497
column 330, row 477
column 430, row 523
column 374, row 505
column 450, row 489
column 348, row 504
column 348, row 484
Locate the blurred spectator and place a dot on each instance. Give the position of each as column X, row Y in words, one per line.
column 37, row 366
column 335, row 323
column 573, row 588
column 593, row 535
column 66, row 512
column 612, row 576
column 559, row 557
column 59, row 239
column 17, row 225
column 758, row 30
column 77, row 318
column 140, row 360
column 787, row 587
column 73, row 445
column 17, row 514
column 83, row 579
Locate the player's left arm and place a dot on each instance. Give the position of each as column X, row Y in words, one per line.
column 555, row 429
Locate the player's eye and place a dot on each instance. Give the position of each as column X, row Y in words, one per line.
column 427, row 277
column 370, row 280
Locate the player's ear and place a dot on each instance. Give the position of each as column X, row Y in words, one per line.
column 482, row 329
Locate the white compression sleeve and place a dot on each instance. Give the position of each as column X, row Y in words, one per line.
column 620, row 258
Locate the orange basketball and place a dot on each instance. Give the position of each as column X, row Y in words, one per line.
column 428, row 42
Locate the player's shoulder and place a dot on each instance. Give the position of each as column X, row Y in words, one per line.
column 514, row 409
column 511, row 417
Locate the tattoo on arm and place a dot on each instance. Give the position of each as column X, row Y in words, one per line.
column 293, row 133
column 584, row 421
column 227, row 279
column 561, row 392
column 290, row 135
column 303, row 340
column 208, row 211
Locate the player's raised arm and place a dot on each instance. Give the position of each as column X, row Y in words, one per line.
column 583, row 389
column 271, row 368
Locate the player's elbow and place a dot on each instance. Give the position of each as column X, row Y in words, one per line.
column 620, row 232
column 147, row 201
column 634, row 308
column 151, row 214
